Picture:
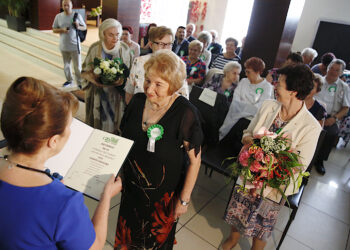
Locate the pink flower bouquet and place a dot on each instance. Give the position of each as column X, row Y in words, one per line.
column 268, row 161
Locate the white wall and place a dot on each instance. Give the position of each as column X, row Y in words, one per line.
column 216, row 11
column 314, row 11
column 169, row 13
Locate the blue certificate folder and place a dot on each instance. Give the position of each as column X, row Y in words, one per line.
column 89, row 158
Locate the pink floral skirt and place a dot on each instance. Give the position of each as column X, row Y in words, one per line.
column 252, row 216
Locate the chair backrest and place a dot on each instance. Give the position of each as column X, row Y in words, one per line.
column 211, row 73
column 212, row 117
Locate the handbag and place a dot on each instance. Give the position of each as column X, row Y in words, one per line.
column 80, row 33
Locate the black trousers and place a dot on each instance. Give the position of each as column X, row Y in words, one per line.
column 233, row 139
column 328, row 143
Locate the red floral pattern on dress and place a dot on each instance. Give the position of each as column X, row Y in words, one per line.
column 163, row 218
column 123, row 235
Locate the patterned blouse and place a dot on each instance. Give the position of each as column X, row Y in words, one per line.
column 196, row 70
column 215, row 84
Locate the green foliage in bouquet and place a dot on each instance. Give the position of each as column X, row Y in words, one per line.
column 109, row 72
column 269, row 160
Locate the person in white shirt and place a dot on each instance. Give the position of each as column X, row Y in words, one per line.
column 126, row 38
column 69, row 41
column 159, row 38
column 336, row 95
column 250, row 93
column 205, row 38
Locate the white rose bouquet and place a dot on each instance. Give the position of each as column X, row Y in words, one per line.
column 110, row 72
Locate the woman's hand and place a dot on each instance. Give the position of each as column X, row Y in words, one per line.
column 119, row 82
column 90, row 77
column 247, row 140
column 112, row 187
column 179, row 209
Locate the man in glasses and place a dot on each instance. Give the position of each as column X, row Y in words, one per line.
column 159, row 38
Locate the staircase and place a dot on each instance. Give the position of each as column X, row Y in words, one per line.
column 42, row 48
column 38, row 48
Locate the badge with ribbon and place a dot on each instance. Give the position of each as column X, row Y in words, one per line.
column 154, row 133
column 258, row 93
column 332, row 90
column 194, row 69
column 227, row 93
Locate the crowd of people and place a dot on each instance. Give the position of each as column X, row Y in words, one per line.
column 160, row 171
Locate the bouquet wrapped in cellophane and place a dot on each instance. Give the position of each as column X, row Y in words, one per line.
column 268, row 161
column 110, row 72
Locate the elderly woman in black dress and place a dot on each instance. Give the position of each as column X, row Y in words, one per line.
column 158, row 179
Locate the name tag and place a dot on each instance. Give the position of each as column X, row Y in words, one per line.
column 208, row 96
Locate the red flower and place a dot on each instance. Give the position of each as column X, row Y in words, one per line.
column 243, row 158
column 259, row 154
column 123, row 235
column 255, row 166
column 163, row 218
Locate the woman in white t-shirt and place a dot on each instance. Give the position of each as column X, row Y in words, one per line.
column 250, row 93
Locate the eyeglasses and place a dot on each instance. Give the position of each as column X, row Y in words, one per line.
column 163, row 45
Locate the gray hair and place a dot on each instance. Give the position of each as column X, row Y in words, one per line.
column 196, row 43
column 109, row 23
column 215, row 33
column 337, row 61
column 206, row 36
column 193, row 26
column 231, row 65
column 309, row 52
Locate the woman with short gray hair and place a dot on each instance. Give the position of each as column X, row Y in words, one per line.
column 308, row 54
column 226, row 83
column 205, row 38
column 105, row 105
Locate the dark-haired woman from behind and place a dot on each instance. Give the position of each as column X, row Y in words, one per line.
column 38, row 211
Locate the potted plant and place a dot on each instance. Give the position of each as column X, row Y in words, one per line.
column 16, row 10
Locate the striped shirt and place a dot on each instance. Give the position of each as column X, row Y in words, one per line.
column 220, row 61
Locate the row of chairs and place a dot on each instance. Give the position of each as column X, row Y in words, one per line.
column 214, row 154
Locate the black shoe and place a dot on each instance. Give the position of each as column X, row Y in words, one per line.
column 67, row 83
column 320, row 168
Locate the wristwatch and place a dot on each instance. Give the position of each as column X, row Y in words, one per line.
column 183, row 203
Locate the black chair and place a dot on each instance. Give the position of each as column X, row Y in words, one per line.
column 211, row 117
column 3, row 143
column 215, row 158
column 295, row 199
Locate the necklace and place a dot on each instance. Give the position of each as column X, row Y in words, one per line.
column 46, row 171
column 148, row 120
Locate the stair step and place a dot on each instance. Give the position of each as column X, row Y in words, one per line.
column 38, row 43
column 50, row 37
column 33, row 51
column 32, row 59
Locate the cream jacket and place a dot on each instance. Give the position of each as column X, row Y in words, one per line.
column 303, row 130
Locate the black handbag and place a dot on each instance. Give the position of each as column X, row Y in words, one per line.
column 80, row 33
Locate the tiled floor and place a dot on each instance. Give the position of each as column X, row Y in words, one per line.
column 322, row 221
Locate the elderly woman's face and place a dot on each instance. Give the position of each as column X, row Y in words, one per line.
column 126, row 36
column 165, row 43
column 194, row 52
column 233, row 75
column 205, row 43
column 230, row 47
column 281, row 89
column 156, row 88
column 251, row 74
column 111, row 37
